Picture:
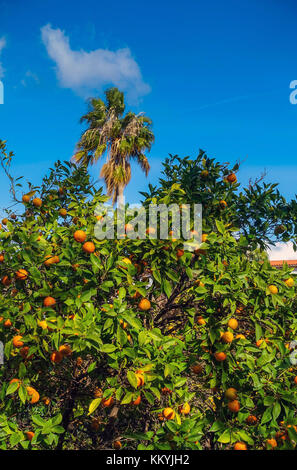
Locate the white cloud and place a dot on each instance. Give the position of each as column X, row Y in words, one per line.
column 85, row 72
column 2, row 45
column 29, row 77
column 282, row 251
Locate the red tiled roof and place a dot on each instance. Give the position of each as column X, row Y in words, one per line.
column 289, row 262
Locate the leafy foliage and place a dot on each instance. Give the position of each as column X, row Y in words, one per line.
column 91, row 354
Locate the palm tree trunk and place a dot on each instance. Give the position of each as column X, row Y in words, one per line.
column 120, row 199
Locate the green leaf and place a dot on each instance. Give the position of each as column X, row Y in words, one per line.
column 12, row 388
column 225, row 437
column 276, row 410
column 244, row 436
column 132, row 378
column 107, row 348
column 94, row 405
column 167, row 370
column 127, row 398
column 38, row 420
column 22, row 394
column 167, row 287
column 221, row 229
column 266, row 416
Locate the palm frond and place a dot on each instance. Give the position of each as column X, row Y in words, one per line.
column 120, row 137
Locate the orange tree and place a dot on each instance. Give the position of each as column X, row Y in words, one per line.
column 139, row 344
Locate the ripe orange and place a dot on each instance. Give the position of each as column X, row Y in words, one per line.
column 29, row 435
column 223, row 204
column 46, row 400
column 4, row 221
column 117, row 445
column 80, row 236
column 107, row 402
column 282, row 435
column 43, row 324
column 49, row 302
column 144, row 304
column 61, row 191
column 220, row 356
column 272, row 443
column 137, row 401
column 24, row 353
column 49, row 260
column 171, row 234
column 289, row 282
column 123, row 324
column 150, row 231
column 204, row 237
column 1, row 258
column 21, row 274
column 240, row 336
column 295, row 380
column 194, row 233
column 233, row 323
column 63, row 212
column 240, row 446
column 231, row 393
column 26, row 198
column 252, row 420
column 201, row 321
column 140, row 379
column 227, row 337
column 234, row 406
column 232, row 178
column 89, row 247
column 204, row 173
column 56, row 357
column 197, row 368
column 180, row 253
column 15, row 381
column 169, row 413
column 33, row 394
column 7, row 323
column 17, row 341
column 128, row 228
column 37, row 202
column 185, row 409
column 259, row 342
column 6, row 281
column 273, row 289
column 65, row 350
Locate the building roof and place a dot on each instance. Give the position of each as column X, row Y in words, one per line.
column 289, row 262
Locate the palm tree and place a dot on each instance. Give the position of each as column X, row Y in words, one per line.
column 121, row 137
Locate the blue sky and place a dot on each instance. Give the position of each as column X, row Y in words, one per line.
column 212, row 75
